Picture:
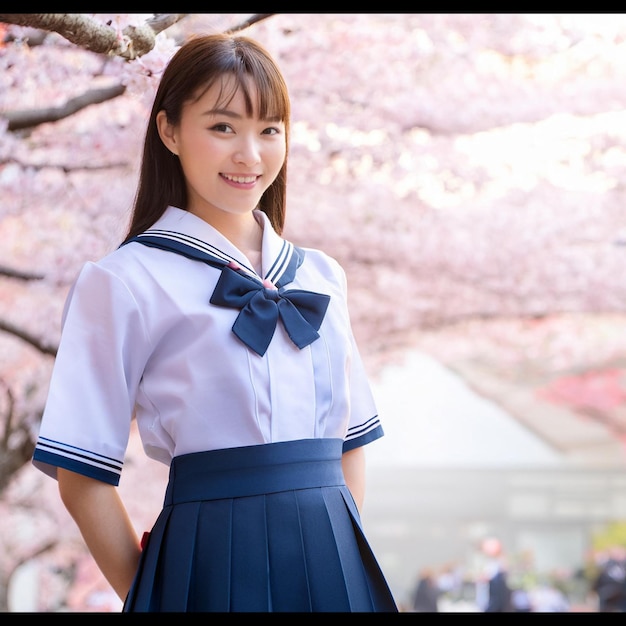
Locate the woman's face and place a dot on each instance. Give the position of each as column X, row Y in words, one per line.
column 228, row 158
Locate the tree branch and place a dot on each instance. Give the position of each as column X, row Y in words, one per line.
column 162, row 21
column 10, row 411
column 11, row 272
column 36, row 343
column 253, row 19
column 18, row 120
column 66, row 169
column 92, row 35
column 13, row 460
column 16, row 431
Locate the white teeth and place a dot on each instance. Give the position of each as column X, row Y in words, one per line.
column 240, row 179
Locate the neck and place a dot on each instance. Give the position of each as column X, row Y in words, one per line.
column 243, row 231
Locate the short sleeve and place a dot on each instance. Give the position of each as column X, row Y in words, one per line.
column 86, row 421
column 364, row 425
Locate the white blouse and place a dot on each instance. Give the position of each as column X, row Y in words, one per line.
column 141, row 339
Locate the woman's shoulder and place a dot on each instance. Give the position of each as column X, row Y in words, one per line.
column 321, row 258
column 130, row 265
column 320, row 265
column 119, row 261
column 129, row 257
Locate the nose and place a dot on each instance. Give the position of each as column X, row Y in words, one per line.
column 247, row 152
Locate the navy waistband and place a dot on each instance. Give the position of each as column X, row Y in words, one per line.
column 255, row 470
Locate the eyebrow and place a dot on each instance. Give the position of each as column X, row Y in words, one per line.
column 232, row 114
column 225, row 112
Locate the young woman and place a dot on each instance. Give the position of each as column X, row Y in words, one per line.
column 232, row 348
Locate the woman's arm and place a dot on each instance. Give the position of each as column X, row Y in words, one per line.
column 105, row 526
column 353, row 463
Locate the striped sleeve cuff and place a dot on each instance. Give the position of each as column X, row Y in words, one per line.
column 50, row 454
column 363, row 433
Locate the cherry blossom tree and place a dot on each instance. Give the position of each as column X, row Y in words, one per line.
column 466, row 169
column 75, row 89
column 81, row 146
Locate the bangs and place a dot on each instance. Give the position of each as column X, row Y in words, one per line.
column 265, row 93
column 260, row 96
column 272, row 100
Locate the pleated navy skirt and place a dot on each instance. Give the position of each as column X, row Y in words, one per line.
column 259, row 528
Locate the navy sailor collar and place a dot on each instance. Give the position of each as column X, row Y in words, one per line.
column 261, row 301
column 186, row 232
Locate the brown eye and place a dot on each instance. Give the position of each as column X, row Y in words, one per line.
column 222, row 128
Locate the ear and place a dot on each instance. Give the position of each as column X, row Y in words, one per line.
column 166, row 132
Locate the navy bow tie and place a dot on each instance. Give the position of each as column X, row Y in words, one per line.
column 301, row 311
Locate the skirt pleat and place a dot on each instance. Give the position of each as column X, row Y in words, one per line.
column 326, row 570
column 289, row 575
column 288, row 540
column 141, row 594
column 177, row 558
column 250, row 588
column 214, row 539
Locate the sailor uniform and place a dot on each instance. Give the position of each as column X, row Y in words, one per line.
column 250, row 387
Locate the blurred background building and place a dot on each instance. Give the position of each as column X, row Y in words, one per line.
column 455, row 468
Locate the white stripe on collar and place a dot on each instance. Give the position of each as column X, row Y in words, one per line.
column 274, row 274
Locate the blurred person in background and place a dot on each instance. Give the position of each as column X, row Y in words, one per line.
column 493, row 593
column 610, row 581
column 425, row 598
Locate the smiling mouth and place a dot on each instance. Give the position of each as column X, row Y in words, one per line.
column 240, row 179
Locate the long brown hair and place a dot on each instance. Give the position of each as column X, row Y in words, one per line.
column 197, row 65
